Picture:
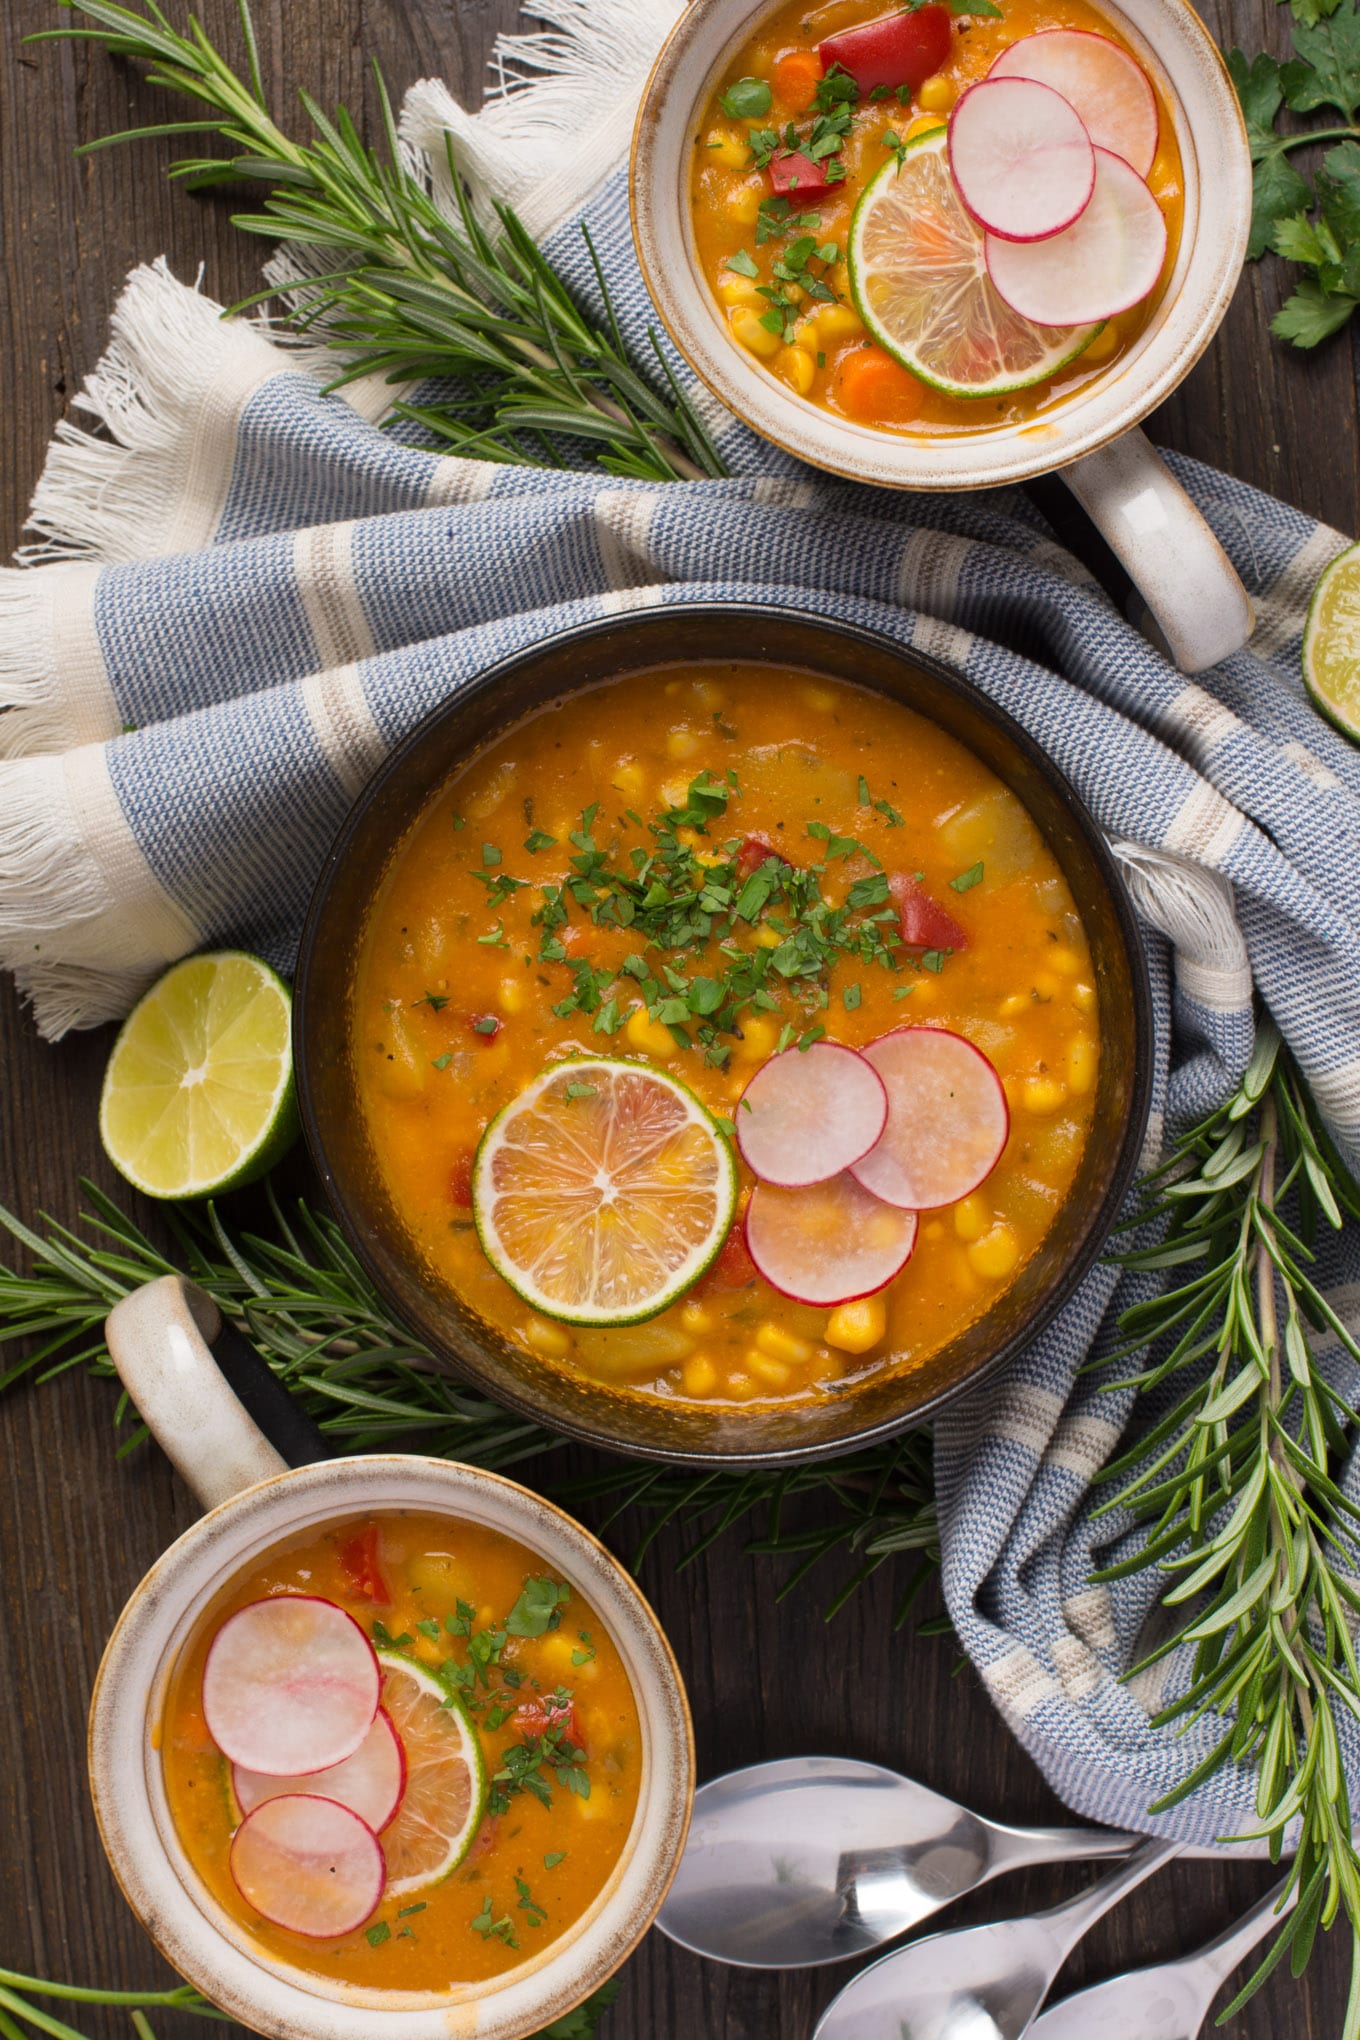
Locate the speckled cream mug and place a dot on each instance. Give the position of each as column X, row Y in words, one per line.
column 1190, row 590
column 167, row 1342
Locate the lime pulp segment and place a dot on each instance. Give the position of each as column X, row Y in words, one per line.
column 1331, row 643
column 445, row 1793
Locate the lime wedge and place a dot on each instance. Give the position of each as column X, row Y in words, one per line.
column 918, row 273
column 603, row 1191
column 445, row 1794
column 1331, row 643
column 198, row 1093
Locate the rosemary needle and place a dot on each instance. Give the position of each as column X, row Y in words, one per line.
column 403, row 292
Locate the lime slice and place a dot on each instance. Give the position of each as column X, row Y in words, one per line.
column 603, row 1192
column 441, row 1807
column 918, row 272
column 198, row 1093
column 1331, row 643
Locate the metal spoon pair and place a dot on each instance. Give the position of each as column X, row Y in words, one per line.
column 809, row 1860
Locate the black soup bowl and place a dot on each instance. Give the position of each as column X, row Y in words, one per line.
column 885, row 1401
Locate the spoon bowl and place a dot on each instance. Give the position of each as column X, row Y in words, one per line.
column 809, row 1860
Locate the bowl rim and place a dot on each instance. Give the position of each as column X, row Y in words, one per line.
column 129, row 1692
column 1104, row 1212
column 892, row 460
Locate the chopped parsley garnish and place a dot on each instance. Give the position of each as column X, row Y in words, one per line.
column 836, row 89
column 433, row 1000
column 585, row 1655
column 580, row 1090
column 777, row 216
column 747, row 99
column 459, row 822
column 742, row 263
column 429, row 1627
column 529, row 1904
column 539, row 1608
column 377, row 1933
column 892, row 140
column 764, row 142
column 490, row 854
column 405, row 1911
column 490, row 1928
column 533, row 1764
column 553, row 1858
column 967, row 879
column 441, row 1062
column 488, row 1023
column 794, row 268
column 538, row 839
column 933, row 959
column 850, row 997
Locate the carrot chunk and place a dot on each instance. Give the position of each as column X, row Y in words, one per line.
column 877, row 390
column 795, row 78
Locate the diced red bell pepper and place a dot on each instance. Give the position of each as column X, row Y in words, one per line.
column 362, row 1567
column 535, row 1717
column 734, row 1267
column 794, row 175
column 925, row 923
column 460, row 1179
column 897, row 49
column 752, row 854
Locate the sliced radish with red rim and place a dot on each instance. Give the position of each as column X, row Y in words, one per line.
column 1111, row 93
column 310, row 1865
column 808, row 1113
column 1021, row 158
column 827, row 1243
column 948, row 1120
column 370, row 1783
column 290, row 1685
column 1107, row 262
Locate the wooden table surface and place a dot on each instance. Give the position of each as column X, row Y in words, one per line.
column 78, row 1528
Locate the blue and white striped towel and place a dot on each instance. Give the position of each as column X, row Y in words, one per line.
column 243, row 594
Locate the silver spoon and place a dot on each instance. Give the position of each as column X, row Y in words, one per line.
column 1170, row 2002
column 978, row 1983
column 810, row 1859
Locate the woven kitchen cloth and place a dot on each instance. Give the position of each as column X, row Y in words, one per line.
column 242, row 594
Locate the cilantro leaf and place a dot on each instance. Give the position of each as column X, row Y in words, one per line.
column 1312, row 314
column 1326, row 69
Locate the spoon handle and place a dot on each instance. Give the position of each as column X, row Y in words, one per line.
column 1076, row 1918
column 1218, row 1958
column 1021, row 1848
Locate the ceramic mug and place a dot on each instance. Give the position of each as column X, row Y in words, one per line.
column 161, row 1338
column 1190, row 590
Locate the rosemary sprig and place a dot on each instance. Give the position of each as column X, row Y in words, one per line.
column 1237, row 1484
column 300, row 1296
column 403, row 292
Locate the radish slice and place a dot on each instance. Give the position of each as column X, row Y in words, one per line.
column 1112, row 94
column 370, row 1783
column 828, row 1242
column 948, row 1120
column 290, row 1686
column 808, row 1113
column 1021, row 158
column 308, row 1864
column 1108, row 261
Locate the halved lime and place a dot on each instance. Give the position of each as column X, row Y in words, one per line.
column 918, row 273
column 603, row 1191
column 1331, row 643
column 198, row 1093
column 445, row 1794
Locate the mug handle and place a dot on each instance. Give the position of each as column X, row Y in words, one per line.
column 1189, row 586
column 213, row 1405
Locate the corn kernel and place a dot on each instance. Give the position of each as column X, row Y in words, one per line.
column 937, row 94
column 732, row 151
column 1065, row 962
column 649, row 1037
column 972, row 1216
column 758, row 1037
column 962, row 1273
column 933, row 1229
column 739, row 290
column 923, row 123
column 743, row 203
column 1104, row 344
column 797, row 367
column 838, row 279
column 479, row 807
column 552, row 1341
column 748, row 332
column 855, row 1327
column 1013, row 1005
column 767, row 937
column 925, row 990
column 741, row 1386
column 697, row 1318
column 995, row 1255
column 510, row 995
column 1043, row 1095
column 824, row 325
column 709, row 695
column 698, row 1377
column 773, row 1373
column 674, row 794
column 1045, row 986
column 819, row 698
column 682, row 744
column 1084, row 996
column 781, row 1344
column 629, row 778
column 1081, row 1064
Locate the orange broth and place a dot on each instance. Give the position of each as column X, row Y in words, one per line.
column 831, row 361
column 454, row 1003
column 531, row 1870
